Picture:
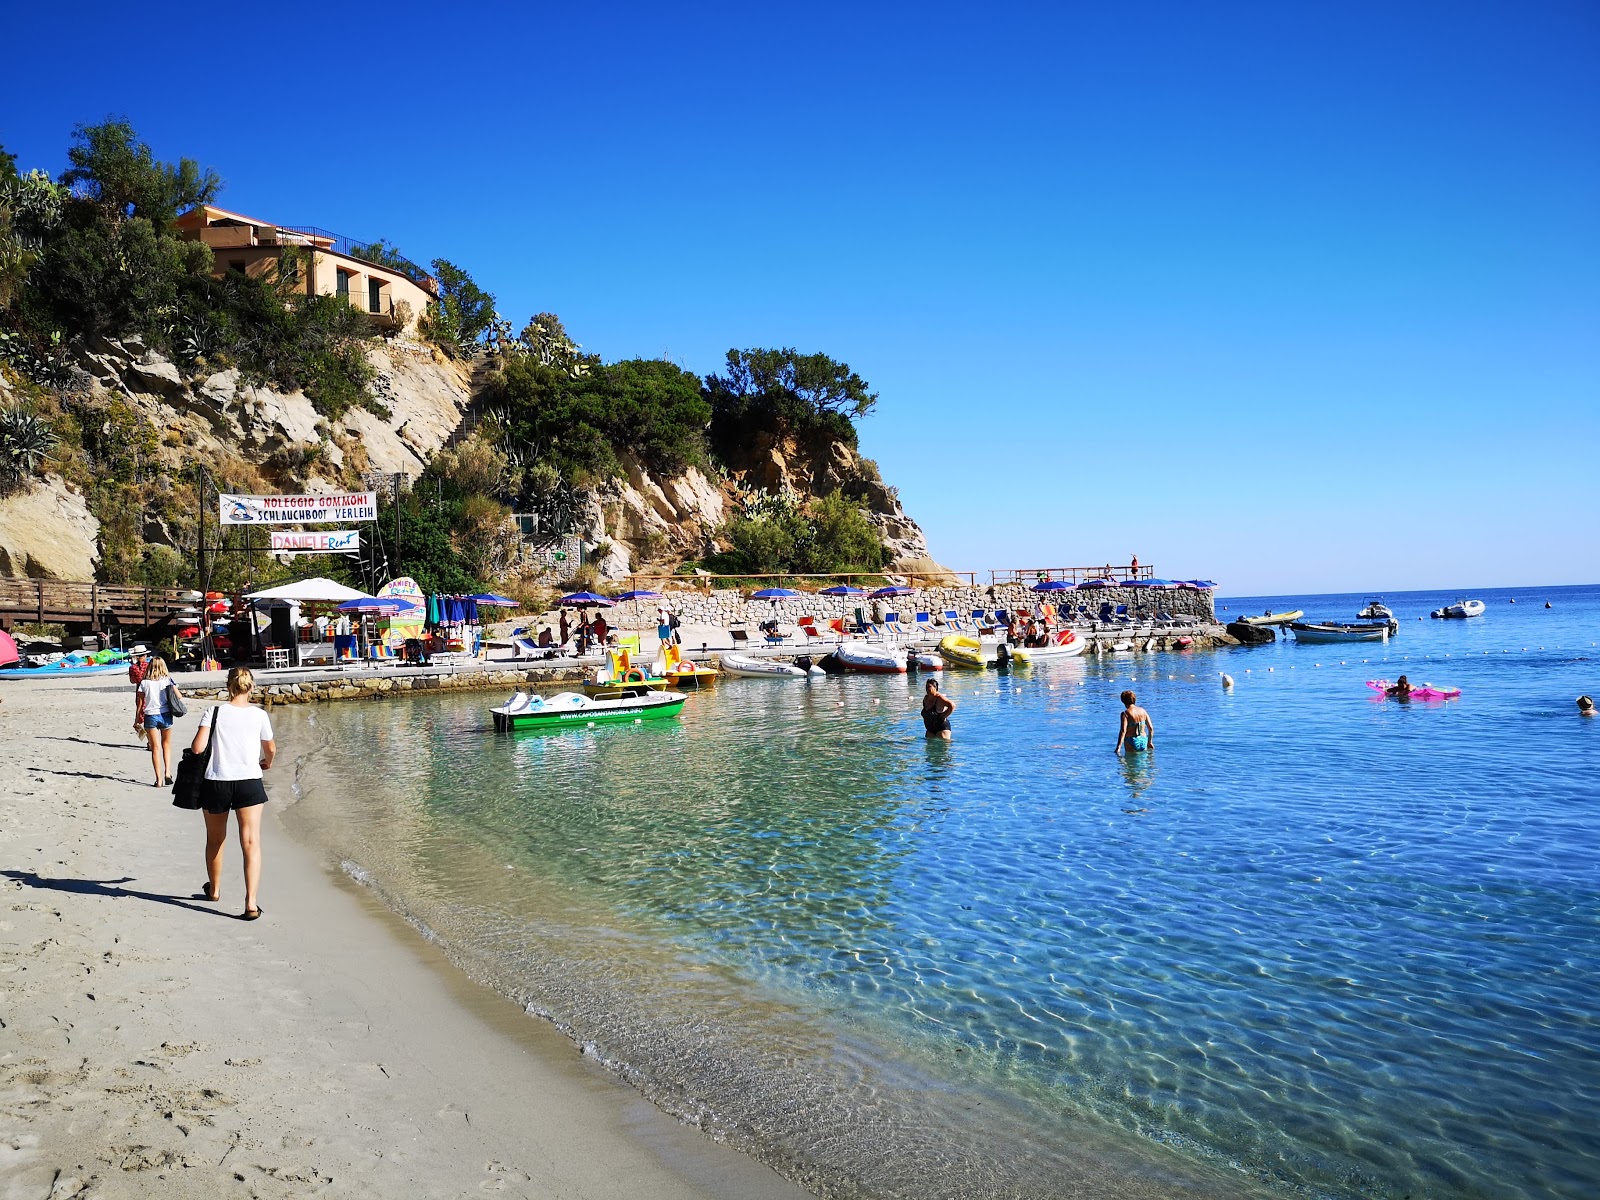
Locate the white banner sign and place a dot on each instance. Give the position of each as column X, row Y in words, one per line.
column 298, row 510
column 341, row 541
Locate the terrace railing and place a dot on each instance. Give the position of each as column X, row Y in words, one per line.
column 1032, row 575
column 802, row 582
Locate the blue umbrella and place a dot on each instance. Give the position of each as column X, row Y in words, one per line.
column 585, row 600
column 1052, row 585
column 1097, row 583
column 842, row 589
column 885, row 592
column 386, row 606
column 775, row 594
column 641, row 594
column 490, row 600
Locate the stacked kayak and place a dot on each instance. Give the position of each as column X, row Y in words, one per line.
column 569, row 709
column 747, row 666
column 73, row 665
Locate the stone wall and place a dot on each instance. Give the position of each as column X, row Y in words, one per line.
column 724, row 608
column 386, row 686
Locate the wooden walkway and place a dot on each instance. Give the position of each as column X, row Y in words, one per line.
column 92, row 606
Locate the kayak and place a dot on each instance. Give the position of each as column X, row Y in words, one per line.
column 57, row 670
column 568, row 710
column 747, row 666
column 870, row 658
column 1273, row 618
column 959, row 650
column 1424, row 691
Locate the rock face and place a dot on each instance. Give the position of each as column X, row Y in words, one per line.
column 47, row 532
column 1251, row 635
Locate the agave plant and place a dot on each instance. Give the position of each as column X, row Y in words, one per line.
column 25, row 440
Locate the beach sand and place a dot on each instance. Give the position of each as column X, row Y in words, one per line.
column 152, row 1044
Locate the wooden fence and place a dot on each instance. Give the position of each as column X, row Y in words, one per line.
column 1032, row 575
column 97, row 605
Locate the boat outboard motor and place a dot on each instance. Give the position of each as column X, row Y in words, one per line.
column 803, row 662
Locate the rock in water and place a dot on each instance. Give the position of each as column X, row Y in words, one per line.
column 1251, row 635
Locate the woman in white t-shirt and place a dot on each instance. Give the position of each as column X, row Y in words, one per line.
column 240, row 737
column 153, row 712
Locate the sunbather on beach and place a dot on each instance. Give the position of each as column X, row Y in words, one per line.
column 1136, row 730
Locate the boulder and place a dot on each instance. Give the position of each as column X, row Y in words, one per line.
column 48, row 532
column 1250, row 635
column 157, row 376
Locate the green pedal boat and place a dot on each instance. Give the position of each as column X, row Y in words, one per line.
column 569, row 710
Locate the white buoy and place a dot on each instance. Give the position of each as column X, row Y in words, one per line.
column 1227, row 681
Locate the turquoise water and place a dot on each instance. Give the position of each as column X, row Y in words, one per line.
column 1315, row 943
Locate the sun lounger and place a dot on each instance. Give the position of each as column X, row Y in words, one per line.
column 741, row 638
column 924, row 624
column 892, row 626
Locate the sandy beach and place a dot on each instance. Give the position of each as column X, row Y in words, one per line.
column 151, row 1043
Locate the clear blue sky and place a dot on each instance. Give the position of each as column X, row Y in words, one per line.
column 1293, row 296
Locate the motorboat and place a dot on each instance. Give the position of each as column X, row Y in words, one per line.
column 1340, row 631
column 960, row 650
column 871, row 658
column 747, row 666
column 1063, row 644
column 618, row 674
column 1376, row 610
column 1460, row 610
column 1271, row 618
column 567, row 710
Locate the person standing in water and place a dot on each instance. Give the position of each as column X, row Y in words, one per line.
column 1585, row 707
column 1137, row 731
column 936, row 710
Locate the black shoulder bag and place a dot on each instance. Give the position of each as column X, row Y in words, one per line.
column 190, row 780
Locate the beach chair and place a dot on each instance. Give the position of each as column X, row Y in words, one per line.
column 741, row 638
column 1002, row 616
column 838, row 626
column 892, row 626
column 808, row 629
column 954, row 621
column 980, row 621
column 923, row 624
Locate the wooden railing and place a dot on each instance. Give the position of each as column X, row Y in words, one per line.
column 1032, row 575
column 812, row 582
column 95, row 604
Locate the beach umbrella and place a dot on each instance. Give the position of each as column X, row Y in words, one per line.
column 842, row 589
column 775, row 594
column 1052, row 585
column 8, row 650
column 490, row 600
column 585, row 600
column 383, row 606
column 884, row 593
column 641, row 594
column 1097, row 583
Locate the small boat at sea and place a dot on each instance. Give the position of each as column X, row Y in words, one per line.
column 1376, row 610
column 959, row 650
column 870, row 658
column 1460, row 610
column 1271, row 618
column 748, row 666
column 567, row 710
column 1340, row 631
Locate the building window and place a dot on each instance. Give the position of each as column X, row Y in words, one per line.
column 341, row 286
column 374, row 295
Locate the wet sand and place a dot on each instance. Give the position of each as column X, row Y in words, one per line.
column 151, row 1043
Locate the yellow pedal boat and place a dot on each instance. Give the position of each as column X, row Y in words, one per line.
column 958, row 650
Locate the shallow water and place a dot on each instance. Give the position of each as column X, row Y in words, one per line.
column 1315, row 943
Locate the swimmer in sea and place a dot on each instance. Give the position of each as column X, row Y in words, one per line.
column 1401, row 688
column 1137, row 731
column 1586, row 707
column 936, row 710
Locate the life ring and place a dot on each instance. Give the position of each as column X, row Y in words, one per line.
column 633, row 675
column 685, row 667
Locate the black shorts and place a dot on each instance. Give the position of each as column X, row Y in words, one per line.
column 225, row 795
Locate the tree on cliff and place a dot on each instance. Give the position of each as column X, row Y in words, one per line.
column 112, row 168
column 465, row 310
column 784, row 391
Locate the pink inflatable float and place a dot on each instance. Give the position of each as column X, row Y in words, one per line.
column 1421, row 691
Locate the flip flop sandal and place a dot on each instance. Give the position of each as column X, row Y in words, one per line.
column 252, row 914
column 205, row 893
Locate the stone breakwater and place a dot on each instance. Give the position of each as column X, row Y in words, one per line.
column 729, row 607
column 382, row 686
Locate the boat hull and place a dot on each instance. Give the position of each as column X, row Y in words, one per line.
column 744, row 666
column 651, row 706
column 612, row 687
column 869, row 660
column 1274, row 618
column 960, row 651
column 1340, row 633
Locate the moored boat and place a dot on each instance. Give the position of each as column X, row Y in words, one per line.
column 871, row 658
column 569, row 709
column 1064, row 644
column 1376, row 610
column 959, row 650
column 1340, row 631
column 747, row 666
column 1460, row 610
column 619, row 673
column 1271, row 618
column 680, row 672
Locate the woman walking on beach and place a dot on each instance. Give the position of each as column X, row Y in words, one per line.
column 152, row 711
column 240, row 737
column 1137, row 731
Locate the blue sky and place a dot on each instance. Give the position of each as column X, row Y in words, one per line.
column 1296, row 297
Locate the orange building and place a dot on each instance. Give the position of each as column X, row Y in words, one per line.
column 394, row 297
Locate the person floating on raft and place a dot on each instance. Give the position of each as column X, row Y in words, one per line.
column 1401, row 689
column 1404, row 689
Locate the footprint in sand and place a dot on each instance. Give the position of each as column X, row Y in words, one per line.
column 501, row 1176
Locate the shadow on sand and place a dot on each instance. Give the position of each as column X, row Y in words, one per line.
column 111, row 889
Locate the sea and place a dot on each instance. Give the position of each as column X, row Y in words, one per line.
column 1315, row 943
